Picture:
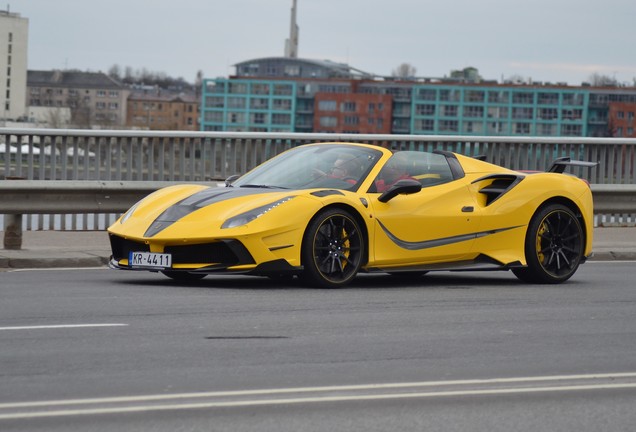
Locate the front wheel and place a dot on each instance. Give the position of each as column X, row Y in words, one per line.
column 333, row 249
column 553, row 247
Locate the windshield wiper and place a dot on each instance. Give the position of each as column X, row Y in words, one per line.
column 262, row 186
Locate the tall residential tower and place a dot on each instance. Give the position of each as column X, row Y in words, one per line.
column 14, row 32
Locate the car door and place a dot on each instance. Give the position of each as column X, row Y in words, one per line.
column 437, row 224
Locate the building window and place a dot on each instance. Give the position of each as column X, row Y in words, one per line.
column 351, row 120
column 328, row 121
column 348, row 107
column 449, row 95
column 496, row 128
column 522, row 98
column 548, row 113
column 259, row 118
column 449, row 110
column 281, row 119
column 473, row 111
column 522, row 113
column 292, row 70
column 236, row 102
column 214, row 116
column 522, row 128
column 283, row 89
column 327, row 105
column 548, row 98
column 572, row 99
column 474, row 96
column 259, row 103
column 260, row 89
column 281, row 104
column 238, row 88
column 214, row 102
column 572, row 130
column 427, row 94
column 498, row 96
column 425, row 125
column 449, row 126
column 234, row 117
column 571, row 114
column 427, row 110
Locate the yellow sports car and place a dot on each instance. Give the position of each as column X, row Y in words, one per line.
column 327, row 211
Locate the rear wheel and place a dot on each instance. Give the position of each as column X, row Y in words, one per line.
column 554, row 246
column 333, row 249
column 184, row 276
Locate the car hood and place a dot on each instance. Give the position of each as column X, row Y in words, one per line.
column 196, row 204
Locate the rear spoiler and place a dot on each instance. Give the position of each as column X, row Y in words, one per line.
column 559, row 165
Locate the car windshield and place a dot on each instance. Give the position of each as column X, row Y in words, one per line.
column 331, row 166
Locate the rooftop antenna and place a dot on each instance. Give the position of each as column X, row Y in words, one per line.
column 291, row 44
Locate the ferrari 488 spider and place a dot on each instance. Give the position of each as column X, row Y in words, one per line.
column 327, row 211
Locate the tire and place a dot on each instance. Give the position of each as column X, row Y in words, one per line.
column 333, row 249
column 553, row 246
column 184, row 276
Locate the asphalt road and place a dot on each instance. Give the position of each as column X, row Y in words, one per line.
column 102, row 350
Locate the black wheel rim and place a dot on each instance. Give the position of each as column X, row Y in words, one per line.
column 559, row 243
column 337, row 248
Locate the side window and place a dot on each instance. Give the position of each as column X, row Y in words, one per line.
column 428, row 168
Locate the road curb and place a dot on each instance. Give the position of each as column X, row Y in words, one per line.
column 29, row 263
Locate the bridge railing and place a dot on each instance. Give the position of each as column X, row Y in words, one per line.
column 61, row 154
column 155, row 156
column 115, row 197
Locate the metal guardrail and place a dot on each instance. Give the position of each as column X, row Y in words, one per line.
column 81, row 197
column 178, row 156
column 65, row 154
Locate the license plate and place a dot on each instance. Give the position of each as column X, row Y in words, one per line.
column 149, row 260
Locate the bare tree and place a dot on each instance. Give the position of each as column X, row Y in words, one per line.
column 115, row 72
column 405, row 70
column 55, row 119
column 599, row 80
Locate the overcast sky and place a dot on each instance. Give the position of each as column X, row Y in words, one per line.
column 545, row 40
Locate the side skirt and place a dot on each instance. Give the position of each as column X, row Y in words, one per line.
column 481, row 262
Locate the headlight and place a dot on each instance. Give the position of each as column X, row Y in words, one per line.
column 249, row 216
column 128, row 214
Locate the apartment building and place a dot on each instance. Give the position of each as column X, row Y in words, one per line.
column 14, row 35
column 330, row 97
column 94, row 98
column 158, row 109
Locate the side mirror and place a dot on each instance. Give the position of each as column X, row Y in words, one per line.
column 231, row 179
column 401, row 187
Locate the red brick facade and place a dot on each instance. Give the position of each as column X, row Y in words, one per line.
column 621, row 119
column 352, row 113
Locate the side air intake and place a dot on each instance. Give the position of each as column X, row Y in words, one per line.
column 501, row 183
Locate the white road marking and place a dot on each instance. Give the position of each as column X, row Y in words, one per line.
column 59, row 326
column 242, row 398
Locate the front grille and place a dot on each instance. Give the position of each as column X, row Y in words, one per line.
column 229, row 253
column 121, row 247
